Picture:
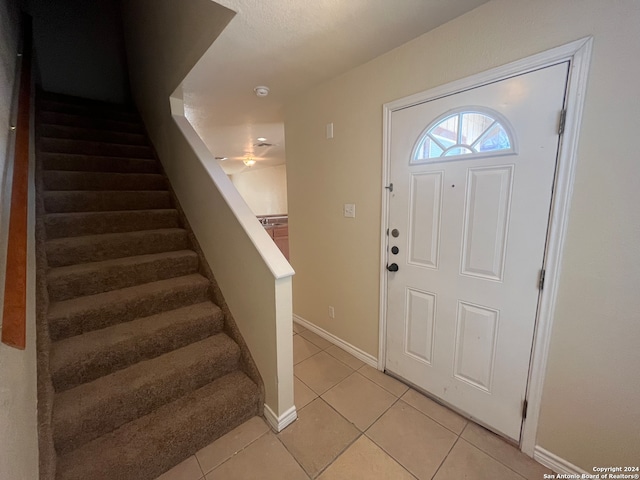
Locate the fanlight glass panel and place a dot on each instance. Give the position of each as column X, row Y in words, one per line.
column 463, row 133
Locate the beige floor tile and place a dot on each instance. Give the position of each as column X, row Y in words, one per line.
column 390, row 384
column 359, row 400
column 297, row 328
column 507, row 454
column 318, row 436
column 321, row 372
column 439, row 413
column 264, row 459
column 316, row 339
column 366, row 461
column 303, row 349
column 466, row 461
column 187, row 470
column 344, row 357
column 413, row 439
column 302, row 395
column 228, row 445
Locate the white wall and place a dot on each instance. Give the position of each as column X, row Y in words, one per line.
column 590, row 412
column 18, row 432
column 80, row 48
column 264, row 190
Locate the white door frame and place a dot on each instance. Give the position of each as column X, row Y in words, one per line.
column 578, row 53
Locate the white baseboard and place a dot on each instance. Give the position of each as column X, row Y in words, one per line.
column 555, row 463
column 280, row 423
column 347, row 347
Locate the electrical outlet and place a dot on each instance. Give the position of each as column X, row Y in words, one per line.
column 332, row 312
column 329, row 130
column 350, row 210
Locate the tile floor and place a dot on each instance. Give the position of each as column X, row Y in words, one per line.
column 354, row 422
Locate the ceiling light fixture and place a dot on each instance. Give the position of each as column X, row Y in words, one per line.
column 261, row 139
column 249, row 162
column 261, row 91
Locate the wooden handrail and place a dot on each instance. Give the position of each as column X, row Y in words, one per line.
column 15, row 287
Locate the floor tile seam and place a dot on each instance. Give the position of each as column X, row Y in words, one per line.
column 376, row 419
column 360, row 433
column 445, row 458
column 399, row 399
column 380, row 446
column 235, row 453
column 339, row 454
column 306, row 385
column 321, row 348
column 291, row 453
column 492, row 456
column 435, row 420
column 344, row 363
column 382, row 386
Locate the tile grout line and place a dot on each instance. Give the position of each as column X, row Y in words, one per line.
column 236, row 453
column 445, row 457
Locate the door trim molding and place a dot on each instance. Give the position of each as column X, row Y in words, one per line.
column 578, row 53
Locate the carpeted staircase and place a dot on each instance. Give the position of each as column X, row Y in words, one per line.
column 138, row 366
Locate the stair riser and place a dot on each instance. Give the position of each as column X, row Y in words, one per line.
column 67, row 252
column 166, row 335
column 107, row 112
column 93, row 281
column 191, row 423
column 90, row 163
column 61, row 180
column 62, row 202
column 78, row 224
column 75, row 120
column 124, row 311
column 124, row 403
column 83, row 147
column 91, row 134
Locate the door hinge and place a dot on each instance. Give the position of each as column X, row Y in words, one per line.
column 525, row 404
column 541, row 281
column 389, row 187
column 563, row 119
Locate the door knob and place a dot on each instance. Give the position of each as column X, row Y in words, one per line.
column 393, row 267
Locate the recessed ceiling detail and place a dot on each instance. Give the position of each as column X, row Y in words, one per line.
column 261, row 91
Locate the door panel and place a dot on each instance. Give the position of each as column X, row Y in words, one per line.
column 461, row 308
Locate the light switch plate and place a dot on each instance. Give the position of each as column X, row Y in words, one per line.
column 350, row 210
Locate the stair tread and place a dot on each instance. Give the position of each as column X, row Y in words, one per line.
column 92, row 267
column 86, row 357
column 94, row 223
column 54, row 130
column 78, row 119
column 82, row 279
column 80, row 305
column 93, row 248
column 64, row 201
column 82, row 181
column 95, row 408
column 150, row 445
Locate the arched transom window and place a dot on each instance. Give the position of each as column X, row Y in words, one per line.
column 465, row 132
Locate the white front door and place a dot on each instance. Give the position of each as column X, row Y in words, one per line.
column 472, row 177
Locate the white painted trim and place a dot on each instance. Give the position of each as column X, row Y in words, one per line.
column 555, row 463
column 280, row 423
column 580, row 59
column 338, row 342
column 578, row 53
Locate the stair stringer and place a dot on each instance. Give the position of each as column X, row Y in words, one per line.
column 248, row 365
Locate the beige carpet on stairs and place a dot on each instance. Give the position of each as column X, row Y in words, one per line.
column 139, row 361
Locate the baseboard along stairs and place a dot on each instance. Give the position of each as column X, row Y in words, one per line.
column 139, row 362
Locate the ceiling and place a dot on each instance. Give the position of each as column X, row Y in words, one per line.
column 290, row 46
